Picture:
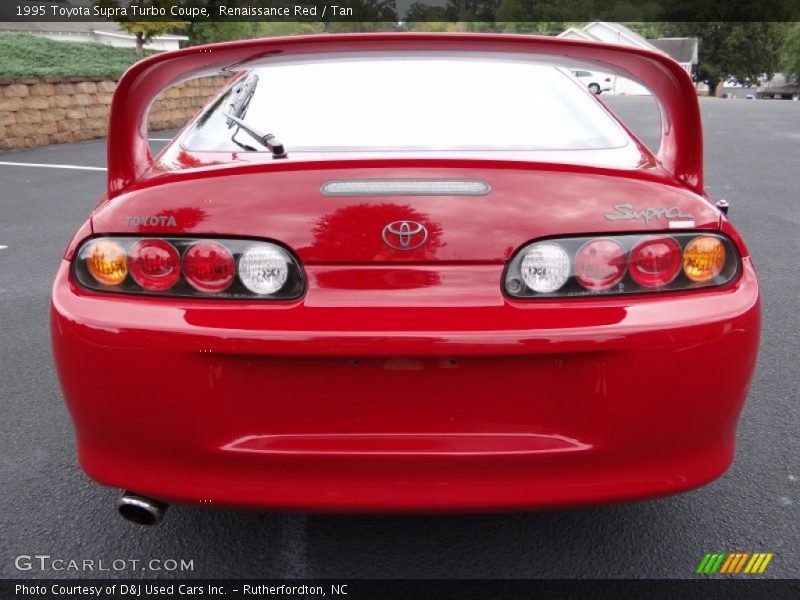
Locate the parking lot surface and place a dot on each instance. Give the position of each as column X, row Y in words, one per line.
column 48, row 506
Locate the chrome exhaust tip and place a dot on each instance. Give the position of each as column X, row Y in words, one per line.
column 141, row 509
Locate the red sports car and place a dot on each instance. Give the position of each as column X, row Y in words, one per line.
column 404, row 272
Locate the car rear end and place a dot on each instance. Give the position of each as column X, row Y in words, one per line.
column 478, row 325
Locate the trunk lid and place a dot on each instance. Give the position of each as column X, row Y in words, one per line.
column 524, row 203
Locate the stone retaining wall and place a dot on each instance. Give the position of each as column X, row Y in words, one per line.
column 54, row 110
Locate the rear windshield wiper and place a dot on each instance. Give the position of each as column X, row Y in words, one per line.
column 237, row 109
column 242, row 96
column 268, row 140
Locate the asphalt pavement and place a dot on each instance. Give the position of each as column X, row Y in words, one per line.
column 49, row 507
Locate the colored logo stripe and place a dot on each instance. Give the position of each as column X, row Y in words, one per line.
column 741, row 562
column 733, row 563
column 758, row 563
column 710, row 563
column 729, row 563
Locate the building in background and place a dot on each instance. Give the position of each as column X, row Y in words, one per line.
column 682, row 50
column 100, row 33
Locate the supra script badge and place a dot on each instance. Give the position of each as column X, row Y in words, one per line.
column 626, row 212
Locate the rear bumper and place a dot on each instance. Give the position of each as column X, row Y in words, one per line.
column 392, row 402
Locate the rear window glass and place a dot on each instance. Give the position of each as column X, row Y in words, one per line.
column 408, row 104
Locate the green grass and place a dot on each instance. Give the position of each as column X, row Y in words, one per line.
column 32, row 56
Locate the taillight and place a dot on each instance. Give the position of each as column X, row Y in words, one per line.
column 545, row 267
column 155, row 264
column 263, row 269
column 209, row 266
column 107, row 262
column 600, row 264
column 621, row 264
column 655, row 261
column 703, row 258
column 187, row 267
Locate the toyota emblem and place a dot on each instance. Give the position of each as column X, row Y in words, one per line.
column 404, row 235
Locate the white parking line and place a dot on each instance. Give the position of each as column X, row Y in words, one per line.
column 46, row 166
column 3, row 247
column 160, row 139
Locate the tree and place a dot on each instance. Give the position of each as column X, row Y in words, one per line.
column 551, row 12
column 506, row 25
column 790, row 53
column 453, row 11
column 143, row 30
column 648, row 30
column 207, row 32
column 743, row 52
column 420, row 12
column 278, row 28
column 435, row 26
column 359, row 26
column 147, row 30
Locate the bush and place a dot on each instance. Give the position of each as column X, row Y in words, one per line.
column 33, row 56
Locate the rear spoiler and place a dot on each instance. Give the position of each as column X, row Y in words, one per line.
column 681, row 150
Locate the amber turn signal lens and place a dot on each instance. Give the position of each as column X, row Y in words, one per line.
column 107, row 262
column 703, row 258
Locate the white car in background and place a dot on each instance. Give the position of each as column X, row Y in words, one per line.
column 596, row 82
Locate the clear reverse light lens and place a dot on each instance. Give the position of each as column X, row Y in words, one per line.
column 545, row 268
column 263, row 269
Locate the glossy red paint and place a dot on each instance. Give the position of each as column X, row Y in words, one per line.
column 438, row 395
column 525, row 203
column 403, row 380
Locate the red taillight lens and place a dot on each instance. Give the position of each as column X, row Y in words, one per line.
column 208, row 266
column 154, row 264
column 655, row 261
column 600, row 264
